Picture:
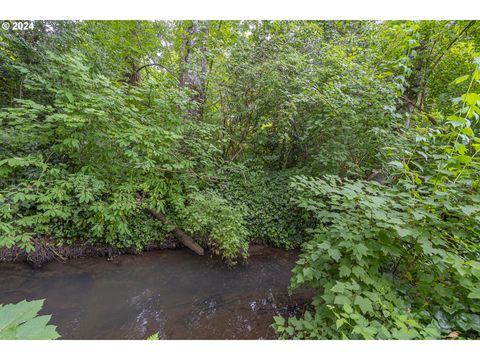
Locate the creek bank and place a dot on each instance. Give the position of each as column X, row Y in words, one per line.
column 45, row 252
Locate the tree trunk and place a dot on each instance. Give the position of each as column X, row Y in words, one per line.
column 414, row 95
column 179, row 234
column 193, row 64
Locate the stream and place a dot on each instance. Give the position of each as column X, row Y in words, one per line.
column 175, row 292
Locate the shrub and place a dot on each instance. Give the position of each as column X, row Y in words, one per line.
column 210, row 215
column 264, row 200
column 70, row 174
column 400, row 261
column 384, row 265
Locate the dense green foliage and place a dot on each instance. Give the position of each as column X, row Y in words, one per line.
column 84, row 152
column 264, row 200
column 21, row 322
column 354, row 140
column 210, row 215
column 399, row 261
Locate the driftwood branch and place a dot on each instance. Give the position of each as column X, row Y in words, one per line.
column 179, row 234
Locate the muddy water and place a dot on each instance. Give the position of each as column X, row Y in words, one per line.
column 173, row 292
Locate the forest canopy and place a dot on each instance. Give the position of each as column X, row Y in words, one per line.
column 354, row 141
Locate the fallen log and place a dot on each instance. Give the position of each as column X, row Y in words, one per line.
column 179, row 234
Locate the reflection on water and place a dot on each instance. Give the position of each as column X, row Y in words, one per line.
column 173, row 292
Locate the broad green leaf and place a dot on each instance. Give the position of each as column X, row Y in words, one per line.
column 461, row 79
column 20, row 321
column 364, row 304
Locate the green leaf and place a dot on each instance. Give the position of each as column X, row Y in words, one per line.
column 338, row 287
column 456, row 121
column 20, row 321
column 360, row 250
column 37, row 329
column 340, row 322
column 475, row 294
column 344, row 271
column 154, row 337
column 334, row 254
column 397, row 164
column 364, row 304
column 341, row 299
column 461, row 79
column 402, row 232
column 348, row 309
column 468, row 131
column 69, row 96
column 308, row 273
column 12, row 315
column 469, row 209
column 279, row 320
column 463, row 159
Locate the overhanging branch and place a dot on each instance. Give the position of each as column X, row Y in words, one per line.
column 159, row 65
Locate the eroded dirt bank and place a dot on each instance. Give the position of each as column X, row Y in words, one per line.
column 44, row 252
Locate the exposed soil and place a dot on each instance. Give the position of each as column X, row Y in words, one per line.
column 45, row 252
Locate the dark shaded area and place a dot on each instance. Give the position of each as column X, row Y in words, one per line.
column 44, row 252
column 173, row 292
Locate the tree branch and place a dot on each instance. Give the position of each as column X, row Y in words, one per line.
column 159, row 65
column 469, row 25
column 429, row 117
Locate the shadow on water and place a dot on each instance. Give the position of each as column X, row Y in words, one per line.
column 173, row 292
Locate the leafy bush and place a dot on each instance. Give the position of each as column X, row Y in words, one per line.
column 380, row 266
column 210, row 215
column 72, row 175
column 263, row 198
column 401, row 261
column 20, row 321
